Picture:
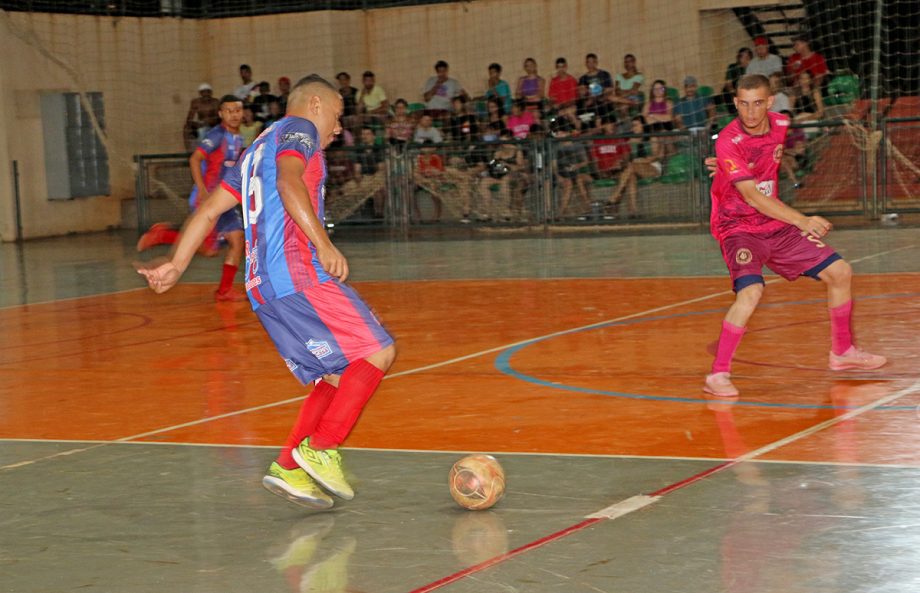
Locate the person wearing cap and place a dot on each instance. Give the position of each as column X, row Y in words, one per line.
column 693, row 112
column 805, row 59
column 372, row 100
column 202, row 116
column 764, row 63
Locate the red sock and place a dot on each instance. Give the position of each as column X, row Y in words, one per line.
column 725, row 351
column 841, row 327
column 226, row 278
column 313, row 408
column 357, row 385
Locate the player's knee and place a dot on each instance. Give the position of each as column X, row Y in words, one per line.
column 839, row 273
column 749, row 296
column 383, row 359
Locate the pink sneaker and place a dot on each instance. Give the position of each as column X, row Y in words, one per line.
column 854, row 358
column 720, row 384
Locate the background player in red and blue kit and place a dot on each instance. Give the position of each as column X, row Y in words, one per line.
column 217, row 153
column 295, row 281
column 756, row 229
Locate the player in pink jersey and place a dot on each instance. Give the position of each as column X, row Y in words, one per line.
column 755, row 229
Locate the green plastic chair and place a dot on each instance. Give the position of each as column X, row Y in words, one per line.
column 677, row 169
column 704, row 91
column 414, row 107
column 672, row 94
column 842, row 89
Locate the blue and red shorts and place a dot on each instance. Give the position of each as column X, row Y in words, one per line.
column 322, row 330
column 229, row 221
column 787, row 251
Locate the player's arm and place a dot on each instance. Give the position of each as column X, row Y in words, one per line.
column 194, row 163
column 297, row 203
column 816, row 226
column 162, row 275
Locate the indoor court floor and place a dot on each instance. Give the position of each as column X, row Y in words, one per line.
column 135, row 428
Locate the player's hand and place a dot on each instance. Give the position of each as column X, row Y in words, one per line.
column 816, row 226
column 161, row 274
column 333, row 262
column 712, row 164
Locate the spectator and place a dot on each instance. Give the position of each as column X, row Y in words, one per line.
column 733, row 74
column 531, row 88
column 245, row 90
column 563, row 88
column 495, row 113
column 261, row 101
column 463, row 124
column 440, row 90
column 520, row 120
column 794, row 155
column 806, row 60
column 339, row 167
column 284, row 88
column 608, row 153
column 401, row 128
column 781, row 101
column 426, row 131
column 628, row 85
column 249, row 128
column 368, row 181
column 203, row 114
column 372, row 100
column 645, row 163
column 594, row 85
column 498, row 88
column 445, row 185
column 694, row 113
column 658, row 111
column 274, row 113
column 506, row 168
column 764, row 62
column 572, row 166
column 809, row 106
column 574, row 125
column 349, row 104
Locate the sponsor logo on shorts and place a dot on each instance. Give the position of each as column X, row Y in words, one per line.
column 319, row 349
column 743, row 256
column 778, row 153
column 291, row 365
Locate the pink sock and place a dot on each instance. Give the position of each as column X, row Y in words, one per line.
column 841, row 327
column 728, row 343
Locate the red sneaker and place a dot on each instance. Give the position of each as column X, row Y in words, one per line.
column 158, row 234
column 230, row 296
column 719, row 384
column 854, row 358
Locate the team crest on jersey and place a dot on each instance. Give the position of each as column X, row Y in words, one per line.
column 778, row 153
column 737, row 139
column 298, row 137
column 319, row 348
column 743, row 256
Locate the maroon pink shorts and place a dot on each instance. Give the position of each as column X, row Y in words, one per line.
column 787, row 251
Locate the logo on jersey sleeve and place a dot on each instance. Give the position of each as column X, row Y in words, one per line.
column 743, row 256
column 208, row 142
column 301, row 138
column 731, row 166
column 319, row 349
column 766, row 187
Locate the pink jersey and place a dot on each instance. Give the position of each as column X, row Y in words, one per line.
column 742, row 156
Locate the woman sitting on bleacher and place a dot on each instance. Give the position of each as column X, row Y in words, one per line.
column 809, row 106
column 644, row 163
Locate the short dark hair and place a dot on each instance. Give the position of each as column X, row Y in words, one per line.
column 401, row 101
column 341, row 74
column 314, row 79
column 561, row 61
column 440, row 64
column 629, row 56
column 746, row 51
column 367, row 73
column 245, row 67
column 750, row 82
column 370, row 129
column 591, row 55
column 228, row 99
column 495, row 66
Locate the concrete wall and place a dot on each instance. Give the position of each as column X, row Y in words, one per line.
column 148, row 69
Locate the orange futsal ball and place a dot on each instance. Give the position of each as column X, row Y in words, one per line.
column 477, row 482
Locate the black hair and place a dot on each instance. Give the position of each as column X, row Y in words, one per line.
column 367, row 73
column 245, row 67
column 746, row 51
column 440, row 64
column 629, row 56
column 401, row 101
column 314, row 79
column 495, row 66
column 341, row 74
column 561, row 61
column 591, row 55
column 229, row 99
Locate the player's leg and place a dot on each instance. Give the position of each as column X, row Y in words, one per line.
column 161, row 233
column 230, row 227
column 844, row 354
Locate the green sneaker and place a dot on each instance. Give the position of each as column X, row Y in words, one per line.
column 325, row 466
column 296, row 486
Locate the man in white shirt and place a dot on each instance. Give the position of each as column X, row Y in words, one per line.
column 764, row 62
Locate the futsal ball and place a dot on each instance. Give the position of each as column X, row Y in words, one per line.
column 477, row 482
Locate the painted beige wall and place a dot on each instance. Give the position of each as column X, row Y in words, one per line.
column 148, row 69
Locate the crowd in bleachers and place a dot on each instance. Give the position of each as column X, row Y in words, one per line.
column 481, row 169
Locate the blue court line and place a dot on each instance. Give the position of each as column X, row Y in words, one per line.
column 503, row 362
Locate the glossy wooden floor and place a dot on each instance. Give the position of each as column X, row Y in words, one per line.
column 583, row 366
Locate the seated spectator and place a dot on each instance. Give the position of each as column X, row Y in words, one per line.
column 440, row 90
column 607, row 153
column 498, row 88
column 809, row 106
column 261, row 101
column 245, row 90
column 349, row 99
column 644, row 163
column 446, row 185
column 202, row 116
column 427, row 131
column 464, row 127
column 574, row 125
column 733, row 74
column 401, row 128
column 693, row 112
column 284, row 90
column 520, row 120
column 495, row 113
column 658, row 111
column 572, row 166
column 249, row 128
column 563, row 88
column 368, row 182
column 506, row 170
column 274, row 113
column 805, row 59
column 593, row 88
column 628, row 86
column 794, row 156
column 781, row 101
column 371, row 101
column 339, row 167
column 764, row 62
column 531, row 88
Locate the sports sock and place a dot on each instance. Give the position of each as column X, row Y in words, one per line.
column 841, row 327
column 357, row 385
column 313, row 408
column 728, row 343
column 226, row 278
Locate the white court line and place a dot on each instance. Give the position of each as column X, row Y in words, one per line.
column 462, row 358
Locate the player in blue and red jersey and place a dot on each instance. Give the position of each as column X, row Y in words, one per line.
column 755, row 229
column 217, row 153
column 295, row 280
